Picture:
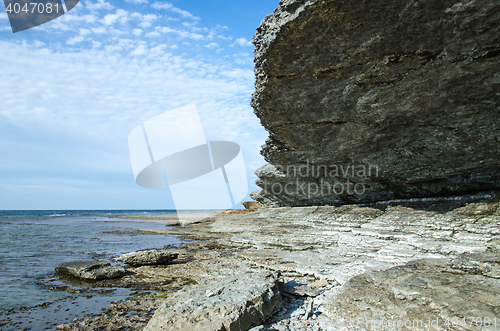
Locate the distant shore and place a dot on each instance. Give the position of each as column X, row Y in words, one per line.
column 171, row 219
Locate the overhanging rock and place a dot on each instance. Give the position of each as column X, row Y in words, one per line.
column 378, row 99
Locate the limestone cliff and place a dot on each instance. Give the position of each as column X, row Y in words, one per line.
column 372, row 100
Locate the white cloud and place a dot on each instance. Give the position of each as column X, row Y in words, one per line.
column 99, row 30
column 152, row 34
column 101, row 89
column 212, row 45
column 3, row 16
column 150, row 17
column 101, row 4
column 182, row 33
column 38, row 43
column 170, row 7
column 113, row 48
column 140, row 50
column 136, row 15
column 121, row 16
column 242, row 42
column 165, row 29
column 137, row 2
column 111, row 76
column 84, row 32
column 75, row 40
column 190, row 24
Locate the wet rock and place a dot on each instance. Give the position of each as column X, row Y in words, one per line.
column 377, row 99
column 233, row 303
column 93, row 270
column 148, row 257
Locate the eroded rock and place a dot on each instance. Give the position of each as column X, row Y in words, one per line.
column 148, row 257
column 423, row 294
column 93, row 270
column 233, row 303
column 377, row 99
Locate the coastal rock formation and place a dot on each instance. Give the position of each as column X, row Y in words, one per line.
column 334, row 262
column 421, row 295
column 148, row 257
column 374, row 100
column 390, row 262
column 232, row 303
column 92, row 270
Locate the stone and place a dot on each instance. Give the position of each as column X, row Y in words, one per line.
column 309, row 311
column 148, row 257
column 486, row 264
column 319, row 283
column 91, row 270
column 423, row 294
column 303, row 291
column 377, row 100
column 251, row 205
column 238, row 302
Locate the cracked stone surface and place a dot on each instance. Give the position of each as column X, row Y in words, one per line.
column 231, row 303
column 337, row 264
column 359, row 262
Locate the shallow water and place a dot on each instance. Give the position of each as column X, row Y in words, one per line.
column 33, row 243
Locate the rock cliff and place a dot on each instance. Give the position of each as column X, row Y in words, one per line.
column 374, row 100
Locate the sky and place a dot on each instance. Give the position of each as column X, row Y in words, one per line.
column 72, row 89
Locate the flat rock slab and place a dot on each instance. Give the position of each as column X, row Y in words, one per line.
column 234, row 303
column 93, row 270
column 148, row 257
column 421, row 295
column 302, row 290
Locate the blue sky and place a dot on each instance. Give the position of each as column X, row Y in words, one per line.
column 71, row 91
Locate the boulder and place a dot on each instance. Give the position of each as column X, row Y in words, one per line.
column 251, row 205
column 148, row 257
column 91, row 270
column 375, row 100
column 233, row 303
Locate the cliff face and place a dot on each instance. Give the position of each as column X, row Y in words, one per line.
column 372, row 100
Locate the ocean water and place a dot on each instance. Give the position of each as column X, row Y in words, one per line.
column 33, row 243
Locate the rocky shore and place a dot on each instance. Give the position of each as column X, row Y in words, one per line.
column 321, row 268
column 381, row 188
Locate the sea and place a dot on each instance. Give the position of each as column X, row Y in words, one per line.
column 33, row 243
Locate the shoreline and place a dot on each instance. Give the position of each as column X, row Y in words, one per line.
column 172, row 219
column 321, row 254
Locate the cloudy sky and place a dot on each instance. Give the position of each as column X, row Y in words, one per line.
column 71, row 91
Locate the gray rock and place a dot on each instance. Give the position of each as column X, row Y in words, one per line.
column 303, row 291
column 257, row 328
column 93, row 270
column 148, row 257
column 238, row 303
column 405, row 93
column 423, row 294
column 486, row 264
column 309, row 309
